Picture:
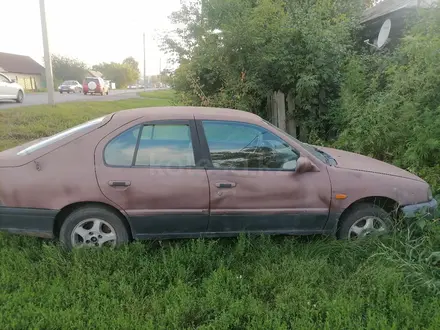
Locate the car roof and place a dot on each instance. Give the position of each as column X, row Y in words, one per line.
column 186, row 112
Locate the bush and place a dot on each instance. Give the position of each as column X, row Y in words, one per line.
column 390, row 105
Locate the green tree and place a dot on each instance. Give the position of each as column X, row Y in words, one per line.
column 122, row 74
column 66, row 68
column 132, row 63
column 237, row 52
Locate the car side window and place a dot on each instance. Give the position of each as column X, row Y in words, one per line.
column 160, row 145
column 3, row 79
column 120, row 150
column 165, row 146
column 237, row 145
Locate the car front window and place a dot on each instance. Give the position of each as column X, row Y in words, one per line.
column 239, row 145
column 313, row 150
column 60, row 136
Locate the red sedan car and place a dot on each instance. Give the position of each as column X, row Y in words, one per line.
column 190, row 172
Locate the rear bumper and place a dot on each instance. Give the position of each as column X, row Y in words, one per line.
column 425, row 210
column 27, row 221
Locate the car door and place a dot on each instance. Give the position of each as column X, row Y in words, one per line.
column 149, row 170
column 253, row 183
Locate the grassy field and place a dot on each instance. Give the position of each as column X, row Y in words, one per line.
column 160, row 94
column 19, row 125
column 241, row 283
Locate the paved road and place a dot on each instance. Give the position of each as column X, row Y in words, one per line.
column 41, row 98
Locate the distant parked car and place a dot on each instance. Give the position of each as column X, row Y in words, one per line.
column 70, row 86
column 10, row 89
column 191, row 172
column 93, row 85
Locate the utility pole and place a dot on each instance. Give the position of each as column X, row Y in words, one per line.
column 160, row 71
column 145, row 82
column 47, row 56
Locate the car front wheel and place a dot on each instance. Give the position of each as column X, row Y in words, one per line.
column 20, row 97
column 93, row 226
column 364, row 220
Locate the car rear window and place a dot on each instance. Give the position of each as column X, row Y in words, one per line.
column 87, row 80
column 59, row 136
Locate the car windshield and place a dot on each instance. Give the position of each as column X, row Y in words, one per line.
column 60, row 136
column 320, row 154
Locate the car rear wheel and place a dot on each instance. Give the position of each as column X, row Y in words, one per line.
column 20, row 97
column 364, row 220
column 93, row 226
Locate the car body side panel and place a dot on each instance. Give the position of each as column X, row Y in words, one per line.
column 60, row 178
column 269, row 200
column 27, row 221
column 358, row 185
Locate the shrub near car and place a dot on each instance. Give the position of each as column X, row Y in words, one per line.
column 190, row 172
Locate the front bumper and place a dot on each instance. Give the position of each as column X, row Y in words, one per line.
column 425, row 210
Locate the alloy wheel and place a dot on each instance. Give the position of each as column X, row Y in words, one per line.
column 93, row 233
column 367, row 226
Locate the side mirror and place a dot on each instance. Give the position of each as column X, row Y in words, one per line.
column 303, row 165
column 12, row 81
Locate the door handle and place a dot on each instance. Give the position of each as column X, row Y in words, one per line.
column 225, row 184
column 119, row 183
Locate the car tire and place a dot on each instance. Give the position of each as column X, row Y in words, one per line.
column 364, row 220
column 97, row 225
column 20, row 97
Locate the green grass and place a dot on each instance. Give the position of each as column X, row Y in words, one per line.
column 160, row 94
column 19, row 125
column 242, row 283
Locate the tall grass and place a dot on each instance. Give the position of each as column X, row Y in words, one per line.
column 243, row 283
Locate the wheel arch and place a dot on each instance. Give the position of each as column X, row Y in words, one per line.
column 68, row 209
column 388, row 204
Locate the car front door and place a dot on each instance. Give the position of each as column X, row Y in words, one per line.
column 149, row 170
column 253, row 183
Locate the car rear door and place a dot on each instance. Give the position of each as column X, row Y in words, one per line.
column 253, row 183
column 149, row 170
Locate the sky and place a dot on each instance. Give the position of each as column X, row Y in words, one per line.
column 92, row 31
